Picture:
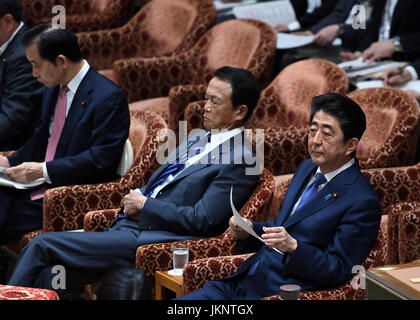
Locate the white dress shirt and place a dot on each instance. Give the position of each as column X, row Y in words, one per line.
column 216, row 139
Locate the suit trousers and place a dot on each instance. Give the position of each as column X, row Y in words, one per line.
column 84, row 256
column 18, row 214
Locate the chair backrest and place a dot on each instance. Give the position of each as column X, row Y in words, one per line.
column 238, row 43
column 287, row 99
column 147, row 133
column 126, row 159
column 164, row 27
column 392, row 117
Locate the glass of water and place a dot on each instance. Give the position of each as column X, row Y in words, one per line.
column 180, row 258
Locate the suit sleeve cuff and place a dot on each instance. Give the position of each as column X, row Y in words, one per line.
column 46, row 176
column 413, row 72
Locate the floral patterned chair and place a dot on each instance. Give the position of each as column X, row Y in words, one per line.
column 65, row 207
column 198, row 272
column 24, row 293
column 390, row 138
column 81, row 15
column 158, row 256
column 392, row 117
column 239, row 43
column 398, row 190
column 284, row 102
column 160, row 28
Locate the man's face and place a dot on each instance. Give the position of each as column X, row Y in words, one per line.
column 325, row 143
column 45, row 71
column 218, row 112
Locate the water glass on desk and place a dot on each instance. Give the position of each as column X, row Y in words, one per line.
column 180, row 258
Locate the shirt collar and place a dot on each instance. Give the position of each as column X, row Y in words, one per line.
column 75, row 82
column 4, row 46
column 332, row 174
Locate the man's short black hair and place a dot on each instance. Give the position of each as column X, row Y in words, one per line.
column 11, row 6
column 52, row 42
column 245, row 87
column 351, row 118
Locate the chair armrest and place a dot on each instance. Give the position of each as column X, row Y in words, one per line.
column 198, row 272
column 179, row 98
column 158, row 256
column 65, row 207
column 145, row 78
column 99, row 220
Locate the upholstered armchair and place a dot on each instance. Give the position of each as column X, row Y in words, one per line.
column 65, row 207
column 284, row 102
column 240, row 43
column 160, row 28
column 390, row 138
column 198, row 272
column 24, row 293
column 392, row 117
column 81, row 15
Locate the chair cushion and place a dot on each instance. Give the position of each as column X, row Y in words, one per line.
column 23, row 293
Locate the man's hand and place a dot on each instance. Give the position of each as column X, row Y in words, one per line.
column 349, row 56
column 277, row 237
column 394, row 77
column 4, row 162
column 25, row 172
column 379, row 50
column 326, row 36
column 414, row 93
column 236, row 231
column 133, row 204
column 281, row 28
column 303, row 33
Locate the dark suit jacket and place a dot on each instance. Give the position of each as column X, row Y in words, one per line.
column 338, row 15
column 93, row 137
column 405, row 23
column 416, row 66
column 333, row 233
column 196, row 203
column 20, row 96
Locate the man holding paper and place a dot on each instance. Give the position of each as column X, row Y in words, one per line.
column 328, row 220
column 79, row 138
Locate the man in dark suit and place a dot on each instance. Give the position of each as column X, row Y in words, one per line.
column 328, row 220
column 184, row 199
column 20, row 92
column 84, row 123
column 393, row 32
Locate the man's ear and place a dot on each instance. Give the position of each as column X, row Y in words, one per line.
column 351, row 145
column 61, row 60
column 241, row 112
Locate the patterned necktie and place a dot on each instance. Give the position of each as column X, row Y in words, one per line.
column 311, row 190
column 194, row 150
column 58, row 124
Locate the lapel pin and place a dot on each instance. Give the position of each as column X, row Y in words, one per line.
column 83, row 102
column 335, row 195
column 4, row 59
column 328, row 196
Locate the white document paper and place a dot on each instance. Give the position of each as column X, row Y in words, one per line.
column 242, row 223
column 7, row 182
column 289, row 41
column 375, row 70
column 356, row 64
column 221, row 6
column 272, row 13
column 411, row 85
column 2, row 169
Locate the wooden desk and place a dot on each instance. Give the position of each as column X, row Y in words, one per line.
column 165, row 280
column 393, row 282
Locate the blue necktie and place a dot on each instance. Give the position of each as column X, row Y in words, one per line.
column 311, row 189
column 193, row 150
